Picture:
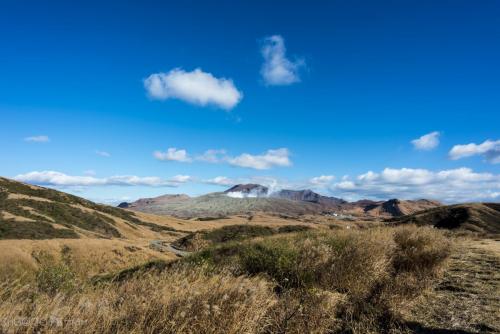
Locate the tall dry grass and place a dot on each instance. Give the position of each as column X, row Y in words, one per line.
column 178, row 301
column 310, row 282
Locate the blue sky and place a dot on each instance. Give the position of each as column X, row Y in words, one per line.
column 284, row 91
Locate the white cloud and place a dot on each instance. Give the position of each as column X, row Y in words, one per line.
column 37, row 139
column 181, row 179
column 345, row 185
column 277, row 68
column 212, row 156
column 103, row 154
column 427, row 142
column 267, row 160
column 195, row 87
column 453, row 185
column 222, row 181
column 53, row 178
column 173, row 154
column 279, row 157
column 322, row 180
column 489, row 149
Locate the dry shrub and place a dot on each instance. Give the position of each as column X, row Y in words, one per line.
column 415, row 258
column 379, row 270
column 347, row 262
column 419, row 251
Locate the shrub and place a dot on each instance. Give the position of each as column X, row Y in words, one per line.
column 276, row 258
column 52, row 276
column 419, row 250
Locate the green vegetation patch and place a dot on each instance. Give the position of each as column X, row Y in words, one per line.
column 32, row 230
column 69, row 216
column 199, row 240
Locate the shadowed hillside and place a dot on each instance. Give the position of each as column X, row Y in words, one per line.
column 474, row 217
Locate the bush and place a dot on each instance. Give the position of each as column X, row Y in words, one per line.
column 53, row 277
column 419, row 250
column 277, row 259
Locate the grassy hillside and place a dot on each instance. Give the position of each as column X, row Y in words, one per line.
column 475, row 217
column 30, row 212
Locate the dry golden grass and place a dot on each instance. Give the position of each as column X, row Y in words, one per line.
column 21, row 196
column 178, row 301
column 260, row 219
column 322, row 281
column 467, row 298
column 89, row 256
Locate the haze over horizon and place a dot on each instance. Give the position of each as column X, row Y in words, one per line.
column 114, row 102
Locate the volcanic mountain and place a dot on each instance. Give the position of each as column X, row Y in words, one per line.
column 246, row 198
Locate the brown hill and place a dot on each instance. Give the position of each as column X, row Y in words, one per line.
column 390, row 208
column 476, row 217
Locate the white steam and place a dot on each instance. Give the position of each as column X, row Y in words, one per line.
column 240, row 194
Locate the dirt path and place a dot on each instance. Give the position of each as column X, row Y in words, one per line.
column 467, row 299
column 164, row 246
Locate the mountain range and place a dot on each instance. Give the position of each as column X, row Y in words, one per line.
column 245, row 198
